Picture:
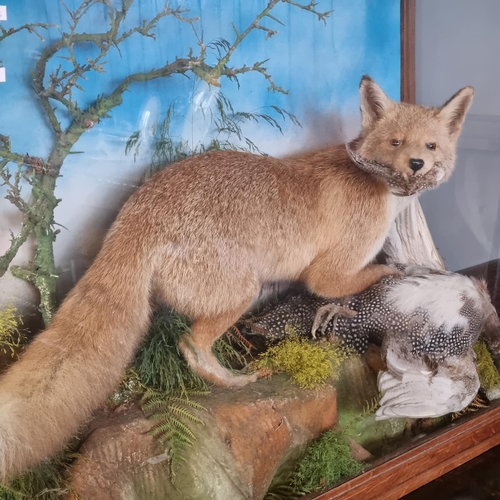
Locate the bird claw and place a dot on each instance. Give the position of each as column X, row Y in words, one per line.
column 326, row 313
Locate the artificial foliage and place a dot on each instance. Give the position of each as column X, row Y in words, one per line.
column 284, row 491
column 173, row 414
column 11, row 336
column 227, row 132
column 159, row 363
column 480, row 402
column 46, row 482
column 310, row 364
column 486, row 369
column 325, row 462
column 165, row 385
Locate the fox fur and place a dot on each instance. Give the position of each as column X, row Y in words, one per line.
column 203, row 236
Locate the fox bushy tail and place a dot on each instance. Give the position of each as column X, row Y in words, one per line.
column 69, row 369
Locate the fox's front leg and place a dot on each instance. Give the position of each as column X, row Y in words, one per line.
column 325, row 278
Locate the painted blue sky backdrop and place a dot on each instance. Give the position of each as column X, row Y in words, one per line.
column 320, row 65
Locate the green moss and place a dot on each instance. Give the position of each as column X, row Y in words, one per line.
column 487, row 371
column 129, row 390
column 325, row 462
column 309, row 364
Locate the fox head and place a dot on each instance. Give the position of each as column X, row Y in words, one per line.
column 409, row 138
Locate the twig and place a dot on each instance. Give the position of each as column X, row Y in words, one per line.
column 15, row 244
column 32, row 28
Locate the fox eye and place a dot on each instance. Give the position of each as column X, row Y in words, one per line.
column 431, row 146
column 396, row 143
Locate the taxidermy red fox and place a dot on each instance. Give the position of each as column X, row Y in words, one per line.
column 203, row 236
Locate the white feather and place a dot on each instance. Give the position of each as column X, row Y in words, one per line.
column 440, row 296
column 410, row 390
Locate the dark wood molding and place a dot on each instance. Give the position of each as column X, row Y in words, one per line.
column 408, row 51
column 399, row 475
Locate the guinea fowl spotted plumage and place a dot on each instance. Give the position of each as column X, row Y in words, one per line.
column 426, row 322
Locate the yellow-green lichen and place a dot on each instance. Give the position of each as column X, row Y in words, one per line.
column 486, row 369
column 309, row 364
column 10, row 335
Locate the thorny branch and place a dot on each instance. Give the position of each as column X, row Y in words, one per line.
column 31, row 28
column 322, row 16
column 58, row 87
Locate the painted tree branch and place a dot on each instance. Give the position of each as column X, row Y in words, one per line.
column 58, row 86
column 15, row 244
column 31, row 28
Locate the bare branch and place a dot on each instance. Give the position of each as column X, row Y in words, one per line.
column 9, row 155
column 223, row 61
column 146, row 27
column 256, row 24
column 257, row 67
column 31, row 28
column 310, row 7
column 15, row 244
column 14, row 188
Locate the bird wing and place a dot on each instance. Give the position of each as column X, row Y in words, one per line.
column 411, row 389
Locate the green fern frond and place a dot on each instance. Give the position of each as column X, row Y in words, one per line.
column 370, row 407
column 284, row 490
column 197, row 394
column 176, row 458
column 175, row 440
column 183, row 428
column 165, row 433
column 184, row 412
column 171, row 438
column 169, row 409
column 153, row 404
column 189, row 402
column 170, row 429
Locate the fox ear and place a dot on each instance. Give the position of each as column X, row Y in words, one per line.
column 454, row 110
column 374, row 102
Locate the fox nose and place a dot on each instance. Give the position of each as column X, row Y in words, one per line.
column 416, row 164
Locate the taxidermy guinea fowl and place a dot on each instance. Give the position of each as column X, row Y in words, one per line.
column 426, row 322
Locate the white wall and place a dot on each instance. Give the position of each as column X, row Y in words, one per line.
column 458, row 44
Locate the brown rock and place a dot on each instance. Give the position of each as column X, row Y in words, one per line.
column 358, row 452
column 247, row 434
